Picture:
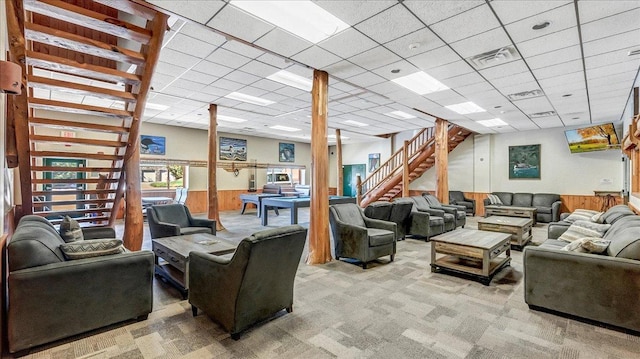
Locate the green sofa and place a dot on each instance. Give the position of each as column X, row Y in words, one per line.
column 51, row 298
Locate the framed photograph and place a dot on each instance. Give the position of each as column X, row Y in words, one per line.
column 524, row 161
column 374, row 161
column 152, row 145
column 232, row 149
column 287, row 152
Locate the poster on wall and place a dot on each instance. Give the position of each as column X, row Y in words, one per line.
column 374, row 161
column 232, row 149
column 287, row 152
column 152, row 145
column 524, row 161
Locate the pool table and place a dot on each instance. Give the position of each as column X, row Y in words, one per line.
column 294, row 203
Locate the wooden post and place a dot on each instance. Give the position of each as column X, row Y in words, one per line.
column 636, row 101
column 213, row 212
column 358, row 189
column 442, row 160
column 405, row 169
column 319, row 246
column 339, row 162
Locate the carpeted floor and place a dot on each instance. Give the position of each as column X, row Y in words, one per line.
column 391, row 310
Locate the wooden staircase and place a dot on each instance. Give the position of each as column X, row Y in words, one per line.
column 386, row 182
column 87, row 67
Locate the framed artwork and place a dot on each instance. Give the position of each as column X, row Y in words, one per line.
column 232, row 149
column 287, row 152
column 524, row 161
column 152, row 145
column 374, row 161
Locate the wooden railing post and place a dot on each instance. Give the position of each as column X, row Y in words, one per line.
column 358, row 189
column 339, row 162
column 405, row 169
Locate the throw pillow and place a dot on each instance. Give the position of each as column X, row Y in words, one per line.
column 578, row 216
column 494, row 199
column 70, row 230
column 584, row 228
column 92, row 248
column 575, row 246
column 598, row 218
column 588, row 245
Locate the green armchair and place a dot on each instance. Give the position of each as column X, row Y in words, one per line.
column 250, row 286
column 359, row 237
column 169, row 220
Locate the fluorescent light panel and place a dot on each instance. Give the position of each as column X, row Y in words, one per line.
column 465, row 108
column 356, row 123
column 291, row 79
column 155, row 106
column 420, row 83
column 230, row 119
column 494, row 122
column 249, row 99
column 301, row 18
column 400, row 115
column 285, row 128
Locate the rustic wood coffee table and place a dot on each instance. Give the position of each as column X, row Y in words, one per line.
column 172, row 255
column 519, row 228
column 471, row 252
column 511, row 211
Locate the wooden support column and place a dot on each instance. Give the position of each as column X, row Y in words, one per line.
column 319, row 246
column 213, row 212
column 405, row 169
column 442, row 160
column 339, row 163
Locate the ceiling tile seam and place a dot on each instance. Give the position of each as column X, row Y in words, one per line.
column 445, row 19
column 608, row 16
column 226, row 3
column 526, row 64
column 536, row 14
column 630, row 96
column 584, row 65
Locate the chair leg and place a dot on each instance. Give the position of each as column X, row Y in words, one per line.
column 289, row 309
column 235, row 336
column 194, row 310
column 364, row 265
column 392, row 257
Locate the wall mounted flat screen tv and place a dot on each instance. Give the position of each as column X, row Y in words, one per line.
column 592, row 138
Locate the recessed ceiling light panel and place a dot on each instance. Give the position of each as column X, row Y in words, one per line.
column 420, row 83
column 230, row 119
column 249, row 99
column 285, row 128
column 155, row 106
column 400, row 115
column 494, row 122
column 355, row 123
column 465, row 108
column 291, row 79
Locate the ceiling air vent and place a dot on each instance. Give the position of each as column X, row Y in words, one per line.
column 542, row 114
column 494, row 57
column 525, row 95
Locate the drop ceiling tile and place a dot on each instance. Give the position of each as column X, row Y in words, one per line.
column 555, row 57
column 463, row 80
column 609, row 58
column 227, row 58
column 160, row 80
column 201, row 32
column 231, row 86
column 316, row 57
column 242, row 49
column 212, row 69
column 421, row 40
column 446, row 97
column 627, row 40
column 548, row 122
column 240, row 24
column 169, row 69
column 560, row 18
column 177, row 58
column 404, row 66
column 282, row 42
column 518, row 87
column 572, row 78
column 390, row 24
column 481, row 43
column 268, row 85
column 533, row 105
column 242, row 77
column 204, row 97
column 385, row 88
column 474, row 88
column 187, row 85
column 475, row 21
column 508, row 81
column 276, row 61
column 191, row 46
column 451, row 70
column 557, row 70
column 259, row 69
column 291, row 92
column 353, row 12
column 374, row 58
column 347, row 43
column 434, row 58
column 191, row 9
column 432, row 12
column 198, row 77
column 508, row 69
column 614, row 69
column 594, row 10
column 177, row 91
column 344, row 69
column 612, row 25
column 554, row 41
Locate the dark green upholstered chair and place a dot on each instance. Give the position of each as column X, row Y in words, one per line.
column 359, row 237
column 458, row 212
column 421, row 224
column 250, row 286
column 378, row 210
column 458, row 198
column 169, row 220
column 448, row 219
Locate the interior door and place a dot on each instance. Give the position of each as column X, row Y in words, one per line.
column 52, row 188
column 349, row 177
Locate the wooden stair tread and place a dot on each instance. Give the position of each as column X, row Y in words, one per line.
column 80, row 219
column 75, row 192
column 72, row 180
column 72, row 210
column 55, row 63
column 75, row 169
column 76, row 201
column 79, row 89
column 77, row 140
column 87, row 18
column 62, row 124
column 130, row 8
column 70, row 107
column 59, row 38
column 82, row 155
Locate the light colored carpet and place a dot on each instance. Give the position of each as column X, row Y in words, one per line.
column 391, row 310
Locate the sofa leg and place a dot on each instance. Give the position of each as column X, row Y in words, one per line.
column 142, row 317
column 392, row 257
column 364, row 265
column 235, row 336
column 194, row 310
column 289, row 309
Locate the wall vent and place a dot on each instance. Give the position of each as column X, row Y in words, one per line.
column 525, row 95
column 494, row 57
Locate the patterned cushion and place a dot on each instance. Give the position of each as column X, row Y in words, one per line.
column 92, row 248
column 588, row 245
column 493, row 199
column 584, row 228
column 579, row 216
column 70, row 230
column 598, row 218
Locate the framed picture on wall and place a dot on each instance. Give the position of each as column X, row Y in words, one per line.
column 524, row 161
column 374, row 161
column 287, row 152
column 152, row 145
column 232, row 149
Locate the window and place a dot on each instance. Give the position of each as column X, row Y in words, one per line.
column 162, row 176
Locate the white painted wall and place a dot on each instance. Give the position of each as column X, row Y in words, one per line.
column 357, row 153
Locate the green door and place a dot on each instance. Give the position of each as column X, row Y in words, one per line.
column 52, row 188
column 349, row 178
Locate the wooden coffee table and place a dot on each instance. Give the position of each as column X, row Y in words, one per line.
column 172, row 255
column 511, row 211
column 519, row 228
column 471, row 252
